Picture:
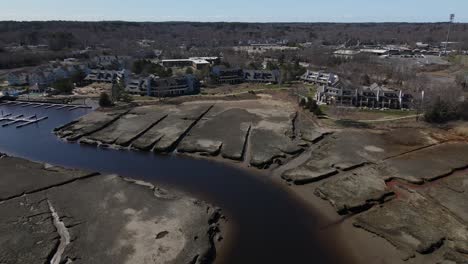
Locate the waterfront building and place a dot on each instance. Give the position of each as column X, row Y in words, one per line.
column 163, row 87
column 105, row 76
column 227, row 75
column 374, row 96
column 320, row 77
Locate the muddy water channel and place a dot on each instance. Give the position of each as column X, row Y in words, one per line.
column 269, row 224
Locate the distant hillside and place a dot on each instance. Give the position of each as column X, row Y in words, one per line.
column 63, row 34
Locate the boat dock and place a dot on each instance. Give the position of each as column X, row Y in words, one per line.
column 20, row 120
column 69, row 107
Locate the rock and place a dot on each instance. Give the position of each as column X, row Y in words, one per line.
column 129, row 126
column 461, row 247
column 338, row 151
column 91, row 142
column 456, row 257
column 28, row 232
column 355, row 191
column 306, row 174
column 165, row 135
column 365, row 186
column 221, row 130
column 90, row 123
column 20, row 177
column 204, row 146
column 308, row 131
column 347, row 150
column 260, row 131
column 413, row 224
column 452, row 193
column 430, row 163
column 268, row 145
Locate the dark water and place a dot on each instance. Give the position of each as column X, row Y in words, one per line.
column 271, row 226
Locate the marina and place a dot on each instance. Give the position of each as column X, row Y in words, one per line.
column 20, row 120
column 47, row 105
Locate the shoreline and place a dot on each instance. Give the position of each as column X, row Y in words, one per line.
column 314, row 206
column 228, row 226
column 332, row 226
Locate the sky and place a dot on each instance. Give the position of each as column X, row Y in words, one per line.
column 236, row 10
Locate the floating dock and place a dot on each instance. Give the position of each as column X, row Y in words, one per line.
column 20, row 120
column 70, row 107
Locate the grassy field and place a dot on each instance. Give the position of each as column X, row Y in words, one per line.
column 243, row 88
column 353, row 113
column 459, row 60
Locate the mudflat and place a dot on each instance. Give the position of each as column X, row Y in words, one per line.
column 54, row 215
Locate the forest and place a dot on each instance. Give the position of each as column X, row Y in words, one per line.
column 118, row 35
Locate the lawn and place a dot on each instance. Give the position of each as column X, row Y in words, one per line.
column 459, row 60
column 242, row 88
column 353, row 113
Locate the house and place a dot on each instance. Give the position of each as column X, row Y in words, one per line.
column 374, row 96
column 138, row 86
column 35, row 88
column 173, row 86
column 45, row 76
column 376, row 51
column 111, row 61
column 221, row 74
column 9, row 94
column 61, row 73
column 341, row 93
column 17, row 79
column 200, row 64
column 197, row 63
column 177, row 63
column 320, row 77
column 211, row 60
column 421, row 45
column 79, row 68
column 41, row 77
column 346, row 53
column 49, row 76
column 105, row 76
column 262, row 76
column 224, row 75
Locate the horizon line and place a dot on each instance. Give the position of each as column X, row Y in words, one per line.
column 233, row 22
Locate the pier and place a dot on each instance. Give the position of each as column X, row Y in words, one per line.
column 69, row 107
column 20, row 120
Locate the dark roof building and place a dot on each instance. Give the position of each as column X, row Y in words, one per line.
column 262, row 76
column 138, row 86
column 374, row 96
column 221, row 74
column 320, row 77
column 105, row 76
column 173, row 86
column 224, row 75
